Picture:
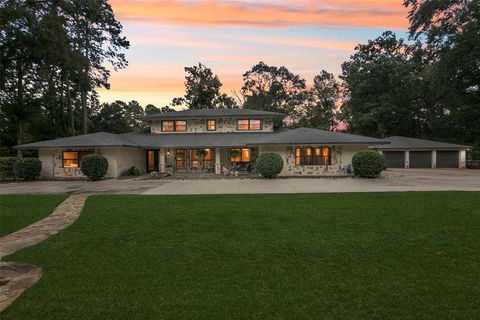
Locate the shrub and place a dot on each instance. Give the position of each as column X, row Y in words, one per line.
column 27, row 168
column 133, row 171
column 269, row 164
column 367, row 164
column 94, row 166
column 7, row 168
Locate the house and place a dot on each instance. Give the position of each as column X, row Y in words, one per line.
column 230, row 140
column 403, row 152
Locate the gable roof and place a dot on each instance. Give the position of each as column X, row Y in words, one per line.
column 212, row 113
column 398, row 142
column 316, row 136
column 91, row 140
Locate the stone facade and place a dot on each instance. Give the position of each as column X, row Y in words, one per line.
column 200, row 126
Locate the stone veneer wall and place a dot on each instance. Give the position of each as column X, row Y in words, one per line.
column 223, row 125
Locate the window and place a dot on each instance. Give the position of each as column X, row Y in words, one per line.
column 240, row 155
column 313, row 156
column 249, row 124
column 71, row 159
column 171, row 126
column 211, row 125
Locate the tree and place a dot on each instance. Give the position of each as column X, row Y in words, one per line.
column 151, row 109
column 272, row 88
column 202, row 87
column 117, row 117
column 383, row 88
column 320, row 102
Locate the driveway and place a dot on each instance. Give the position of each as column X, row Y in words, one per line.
column 392, row 180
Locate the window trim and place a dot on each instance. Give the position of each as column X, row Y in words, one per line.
column 250, row 125
column 214, row 125
column 174, row 125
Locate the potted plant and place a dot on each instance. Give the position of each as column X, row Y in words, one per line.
column 234, row 153
column 202, row 153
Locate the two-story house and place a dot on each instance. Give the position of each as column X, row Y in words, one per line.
column 207, row 140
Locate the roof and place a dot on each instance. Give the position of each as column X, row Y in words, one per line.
column 316, row 136
column 397, row 142
column 212, row 113
column 92, row 140
column 199, row 140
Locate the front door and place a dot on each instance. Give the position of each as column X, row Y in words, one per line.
column 152, row 160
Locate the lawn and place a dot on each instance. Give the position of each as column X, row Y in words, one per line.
column 18, row 211
column 323, row 256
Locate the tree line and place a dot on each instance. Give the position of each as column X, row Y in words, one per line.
column 53, row 57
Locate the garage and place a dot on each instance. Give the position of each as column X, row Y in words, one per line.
column 420, row 159
column 447, row 159
column 394, row 159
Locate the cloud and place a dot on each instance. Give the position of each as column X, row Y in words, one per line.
column 364, row 13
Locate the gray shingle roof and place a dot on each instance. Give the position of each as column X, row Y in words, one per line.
column 91, row 140
column 397, row 142
column 198, row 140
column 212, row 113
column 316, row 136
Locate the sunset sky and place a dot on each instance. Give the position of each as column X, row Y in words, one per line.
column 230, row 36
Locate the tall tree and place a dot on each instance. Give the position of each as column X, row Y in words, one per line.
column 272, row 88
column 383, row 88
column 202, row 87
column 321, row 102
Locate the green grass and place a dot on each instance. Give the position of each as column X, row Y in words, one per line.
column 18, row 211
column 315, row 256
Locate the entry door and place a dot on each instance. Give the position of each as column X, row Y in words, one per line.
column 152, row 160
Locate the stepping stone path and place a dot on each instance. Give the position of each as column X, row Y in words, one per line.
column 16, row 277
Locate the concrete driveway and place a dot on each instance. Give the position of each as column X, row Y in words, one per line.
column 392, row 180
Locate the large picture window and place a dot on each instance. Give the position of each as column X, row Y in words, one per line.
column 240, row 155
column 71, row 159
column 249, row 124
column 313, row 156
column 173, row 126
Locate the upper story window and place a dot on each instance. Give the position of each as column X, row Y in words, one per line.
column 249, row 124
column 172, row 126
column 211, row 125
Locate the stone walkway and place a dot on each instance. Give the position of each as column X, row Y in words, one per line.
column 16, row 277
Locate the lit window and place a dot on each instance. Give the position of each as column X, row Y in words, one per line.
column 180, row 125
column 168, row 126
column 320, row 156
column 255, row 125
column 211, row 125
column 242, row 125
column 71, row 159
column 240, row 155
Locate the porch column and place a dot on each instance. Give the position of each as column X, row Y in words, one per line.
column 407, row 159
column 161, row 160
column 434, row 158
column 218, row 164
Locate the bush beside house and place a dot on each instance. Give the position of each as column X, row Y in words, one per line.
column 7, row 168
column 269, row 164
column 94, row 166
column 27, row 168
column 367, row 164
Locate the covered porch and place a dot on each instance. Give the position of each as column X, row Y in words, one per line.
column 218, row 160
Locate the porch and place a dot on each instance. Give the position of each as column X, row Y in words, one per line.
column 201, row 160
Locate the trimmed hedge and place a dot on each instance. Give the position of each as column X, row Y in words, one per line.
column 367, row 164
column 7, row 168
column 133, row 171
column 269, row 164
column 27, row 168
column 94, row 166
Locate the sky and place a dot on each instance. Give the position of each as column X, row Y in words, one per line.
column 230, row 36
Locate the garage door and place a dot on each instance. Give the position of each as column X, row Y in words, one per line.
column 420, row 159
column 394, row 159
column 447, row 159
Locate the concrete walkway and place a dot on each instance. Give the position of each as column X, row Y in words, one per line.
column 16, row 277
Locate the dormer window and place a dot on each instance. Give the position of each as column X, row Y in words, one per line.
column 173, row 126
column 249, row 124
column 211, row 125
